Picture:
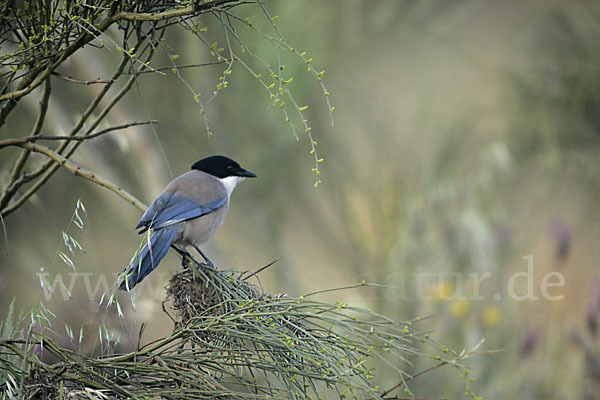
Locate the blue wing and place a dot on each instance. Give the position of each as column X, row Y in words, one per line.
column 163, row 216
column 148, row 258
column 169, row 209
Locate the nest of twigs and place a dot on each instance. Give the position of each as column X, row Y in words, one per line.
column 200, row 294
column 189, row 296
column 202, row 291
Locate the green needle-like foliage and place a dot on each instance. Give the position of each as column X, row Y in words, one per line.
column 230, row 340
column 280, row 346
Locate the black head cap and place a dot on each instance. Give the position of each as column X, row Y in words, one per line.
column 222, row 167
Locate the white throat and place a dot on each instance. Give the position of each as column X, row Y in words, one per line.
column 230, row 182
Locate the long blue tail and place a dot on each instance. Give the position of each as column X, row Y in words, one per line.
column 149, row 257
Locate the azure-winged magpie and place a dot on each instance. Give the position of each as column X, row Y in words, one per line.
column 187, row 213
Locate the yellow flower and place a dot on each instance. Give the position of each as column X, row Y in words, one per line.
column 460, row 307
column 442, row 291
column 491, row 316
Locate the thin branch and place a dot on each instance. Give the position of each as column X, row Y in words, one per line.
column 413, row 398
column 92, row 107
column 177, row 67
column 10, row 76
column 70, row 79
column 28, row 139
column 182, row 12
column 436, row 366
column 17, row 94
column 111, row 103
column 10, row 105
column 11, row 188
column 49, row 169
column 261, row 269
column 78, row 171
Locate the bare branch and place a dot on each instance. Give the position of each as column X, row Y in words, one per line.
column 70, row 79
column 131, row 16
column 440, row 364
column 11, row 188
column 77, row 171
column 182, row 12
column 28, row 139
column 48, row 169
column 92, row 107
column 10, row 105
column 9, row 78
column 169, row 68
column 17, row 94
column 261, row 269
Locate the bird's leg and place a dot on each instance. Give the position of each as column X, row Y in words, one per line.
column 183, row 254
column 204, row 256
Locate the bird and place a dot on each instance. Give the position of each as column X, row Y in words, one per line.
column 188, row 212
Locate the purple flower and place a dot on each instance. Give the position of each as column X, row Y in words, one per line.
column 593, row 310
column 530, row 340
column 562, row 237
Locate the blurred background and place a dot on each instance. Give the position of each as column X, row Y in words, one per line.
column 461, row 173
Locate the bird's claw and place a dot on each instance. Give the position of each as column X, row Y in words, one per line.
column 207, row 261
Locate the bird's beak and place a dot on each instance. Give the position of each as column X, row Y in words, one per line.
column 246, row 174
